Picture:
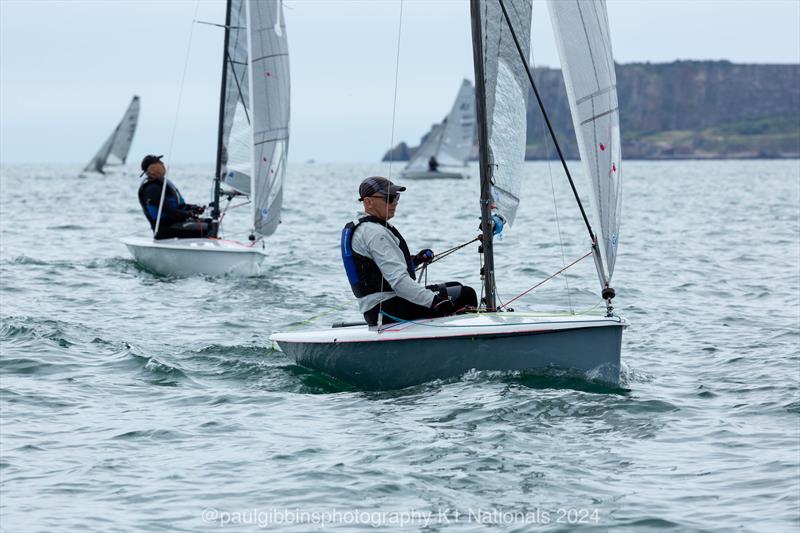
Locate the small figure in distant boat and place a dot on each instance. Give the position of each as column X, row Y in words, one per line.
column 433, row 164
column 382, row 271
column 178, row 219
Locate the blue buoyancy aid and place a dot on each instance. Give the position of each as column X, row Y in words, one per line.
column 362, row 272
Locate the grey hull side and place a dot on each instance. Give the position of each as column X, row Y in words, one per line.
column 403, row 363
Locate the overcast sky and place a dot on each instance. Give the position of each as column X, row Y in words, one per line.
column 69, row 68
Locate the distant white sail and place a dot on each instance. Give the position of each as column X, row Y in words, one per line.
column 451, row 141
column 119, row 142
column 506, row 99
column 269, row 68
column 584, row 45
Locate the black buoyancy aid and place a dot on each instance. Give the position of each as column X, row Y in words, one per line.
column 363, row 273
column 150, row 208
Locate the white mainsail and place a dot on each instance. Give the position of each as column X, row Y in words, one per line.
column 255, row 138
column 119, row 142
column 450, row 141
column 269, row 68
column 506, row 99
column 584, row 45
column 237, row 149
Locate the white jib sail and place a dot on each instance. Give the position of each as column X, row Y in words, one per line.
column 119, row 142
column 451, row 141
column 270, row 89
column 506, row 98
column 584, row 45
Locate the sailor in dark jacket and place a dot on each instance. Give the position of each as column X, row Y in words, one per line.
column 380, row 267
column 178, row 219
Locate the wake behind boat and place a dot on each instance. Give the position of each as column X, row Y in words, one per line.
column 253, row 139
column 410, row 352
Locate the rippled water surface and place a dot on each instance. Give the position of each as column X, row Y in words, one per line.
column 136, row 402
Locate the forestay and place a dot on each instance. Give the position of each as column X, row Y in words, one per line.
column 119, row 142
column 584, row 45
column 506, row 99
column 256, row 117
column 451, row 141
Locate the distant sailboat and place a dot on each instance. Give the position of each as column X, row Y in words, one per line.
column 119, row 143
column 450, row 144
column 407, row 353
column 253, row 142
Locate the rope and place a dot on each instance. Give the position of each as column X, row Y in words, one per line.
column 546, row 279
column 177, row 113
column 446, row 253
column 394, row 116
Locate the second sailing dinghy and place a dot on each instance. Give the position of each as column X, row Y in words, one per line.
column 114, row 151
column 253, row 143
column 411, row 352
column 449, row 145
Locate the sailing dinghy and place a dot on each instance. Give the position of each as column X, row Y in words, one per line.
column 411, row 352
column 253, row 141
column 449, row 142
column 118, row 144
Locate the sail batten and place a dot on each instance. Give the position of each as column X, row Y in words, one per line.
column 582, row 35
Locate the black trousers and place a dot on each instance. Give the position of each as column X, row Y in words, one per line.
column 397, row 308
column 188, row 229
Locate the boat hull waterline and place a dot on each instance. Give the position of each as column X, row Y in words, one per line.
column 433, row 175
column 192, row 257
column 407, row 354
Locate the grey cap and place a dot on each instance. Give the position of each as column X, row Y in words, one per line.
column 379, row 185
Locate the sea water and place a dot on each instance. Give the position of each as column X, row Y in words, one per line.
column 130, row 401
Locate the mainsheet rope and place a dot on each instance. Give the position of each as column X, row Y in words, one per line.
column 177, row 114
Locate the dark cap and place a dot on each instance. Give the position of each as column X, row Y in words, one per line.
column 379, row 185
column 149, row 160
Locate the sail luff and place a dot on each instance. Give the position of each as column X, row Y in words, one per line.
column 486, row 200
column 583, row 39
column 215, row 212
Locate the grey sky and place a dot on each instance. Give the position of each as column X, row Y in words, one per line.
column 68, row 69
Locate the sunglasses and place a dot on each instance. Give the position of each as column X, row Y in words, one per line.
column 389, row 198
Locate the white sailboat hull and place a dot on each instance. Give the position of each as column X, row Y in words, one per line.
column 192, row 257
column 437, row 175
column 406, row 354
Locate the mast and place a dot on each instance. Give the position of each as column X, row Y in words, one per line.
column 487, row 246
column 217, row 173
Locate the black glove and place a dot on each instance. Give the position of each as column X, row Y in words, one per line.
column 198, row 209
column 423, row 257
column 443, row 306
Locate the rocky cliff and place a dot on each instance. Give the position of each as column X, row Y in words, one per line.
column 684, row 109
